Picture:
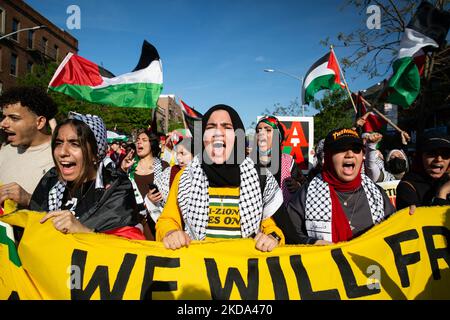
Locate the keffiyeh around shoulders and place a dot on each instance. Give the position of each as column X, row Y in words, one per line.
column 254, row 205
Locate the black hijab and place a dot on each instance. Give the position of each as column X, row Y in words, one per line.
column 224, row 175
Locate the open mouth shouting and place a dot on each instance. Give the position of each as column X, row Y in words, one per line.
column 218, row 148
column 436, row 169
column 348, row 167
column 69, row 169
column 11, row 136
column 262, row 143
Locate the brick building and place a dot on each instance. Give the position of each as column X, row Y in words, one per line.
column 19, row 53
column 168, row 112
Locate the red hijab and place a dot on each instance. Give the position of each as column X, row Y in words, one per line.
column 340, row 226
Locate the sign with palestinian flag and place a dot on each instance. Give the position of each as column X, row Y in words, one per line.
column 324, row 74
column 81, row 79
column 426, row 30
column 299, row 139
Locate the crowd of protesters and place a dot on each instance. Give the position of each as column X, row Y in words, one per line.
column 160, row 189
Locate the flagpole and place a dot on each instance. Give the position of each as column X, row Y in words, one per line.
column 381, row 115
column 345, row 82
column 184, row 118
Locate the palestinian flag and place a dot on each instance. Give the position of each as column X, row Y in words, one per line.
column 190, row 116
column 374, row 123
column 81, row 79
column 324, row 74
column 426, row 30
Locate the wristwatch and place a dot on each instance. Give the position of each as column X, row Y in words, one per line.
column 275, row 235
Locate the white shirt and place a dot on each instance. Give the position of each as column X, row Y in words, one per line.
column 25, row 166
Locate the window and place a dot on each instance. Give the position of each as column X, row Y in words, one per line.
column 29, row 66
column 44, row 44
column 56, row 52
column 13, row 65
column 2, row 20
column 15, row 27
column 30, row 39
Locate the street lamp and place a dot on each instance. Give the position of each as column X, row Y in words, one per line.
column 295, row 77
column 20, row 30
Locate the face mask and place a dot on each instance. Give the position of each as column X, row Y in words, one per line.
column 396, row 165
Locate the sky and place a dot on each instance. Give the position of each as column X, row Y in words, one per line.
column 214, row 51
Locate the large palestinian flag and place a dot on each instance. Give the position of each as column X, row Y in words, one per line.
column 324, row 74
column 81, row 79
column 426, row 30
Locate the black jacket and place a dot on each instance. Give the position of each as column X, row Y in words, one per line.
column 292, row 219
column 420, row 190
column 106, row 209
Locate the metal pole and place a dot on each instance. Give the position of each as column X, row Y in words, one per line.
column 295, row 77
column 300, row 98
column 345, row 82
column 24, row 29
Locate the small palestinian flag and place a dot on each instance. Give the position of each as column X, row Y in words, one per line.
column 190, row 116
column 324, row 74
column 426, row 30
column 81, row 79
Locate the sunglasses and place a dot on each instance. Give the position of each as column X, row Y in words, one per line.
column 356, row 149
column 444, row 153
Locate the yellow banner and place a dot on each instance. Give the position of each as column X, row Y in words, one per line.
column 405, row 257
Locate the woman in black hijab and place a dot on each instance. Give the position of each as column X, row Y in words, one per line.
column 218, row 195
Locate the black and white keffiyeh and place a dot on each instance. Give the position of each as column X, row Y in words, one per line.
column 98, row 127
column 318, row 210
column 144, row 201
column 254, row 206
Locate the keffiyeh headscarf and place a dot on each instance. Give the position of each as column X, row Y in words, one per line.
column 98, row 127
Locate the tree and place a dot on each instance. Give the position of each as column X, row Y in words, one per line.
column 375, row 49
column 123, row 119
column 294, row 109
column 335, row 112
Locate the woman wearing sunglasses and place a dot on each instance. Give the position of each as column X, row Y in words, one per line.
column 428, row 183
column 340, row 203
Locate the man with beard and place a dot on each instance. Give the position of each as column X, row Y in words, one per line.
column 27, row 156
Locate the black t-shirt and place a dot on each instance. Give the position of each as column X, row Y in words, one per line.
column 81, row 200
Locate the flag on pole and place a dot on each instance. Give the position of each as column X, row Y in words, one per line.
column 190, row 115
column 323, row 74
column 374, row 123
column 81, row 79
column 426, row 30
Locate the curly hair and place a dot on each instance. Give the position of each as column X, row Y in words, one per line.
column 33, row 98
